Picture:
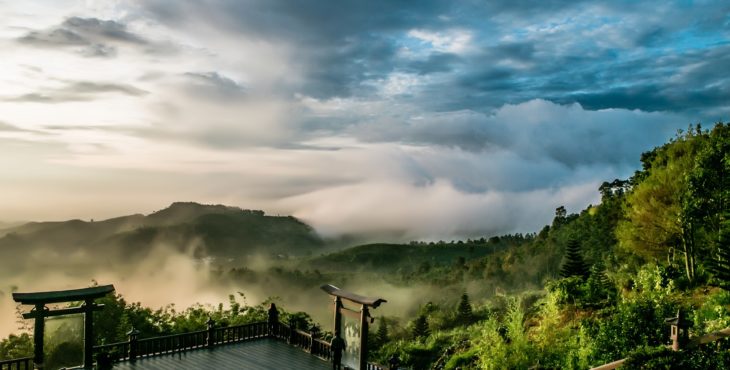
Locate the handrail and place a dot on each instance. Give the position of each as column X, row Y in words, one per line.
column 693, row 343
column 707, row 338
column 24, row 363
column 155, row 346
column 610, row 365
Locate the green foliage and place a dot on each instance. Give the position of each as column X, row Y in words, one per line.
column 650, row 358
column 570, row 290
column 630, row 325
column 599, row 288
column 381, row 336
column 709, row 181
column 713, row 314
column 656, row 223
column 16, row 346
column 719, row 264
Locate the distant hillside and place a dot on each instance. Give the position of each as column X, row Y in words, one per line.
column 216, row 231
column 391, row 257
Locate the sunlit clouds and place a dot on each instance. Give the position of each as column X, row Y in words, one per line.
column 430, row 120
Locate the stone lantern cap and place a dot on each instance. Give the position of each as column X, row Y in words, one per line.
column 679, row 321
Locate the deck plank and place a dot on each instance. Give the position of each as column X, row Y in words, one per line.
column 263, row 354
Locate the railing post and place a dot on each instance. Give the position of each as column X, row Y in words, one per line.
column 210, row 339
column 133, row 335
column 313, row 331
column 393, row 362
column 292, row 331
column 273, row 321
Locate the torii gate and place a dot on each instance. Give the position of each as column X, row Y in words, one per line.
column 40, row 312
column 363, row 315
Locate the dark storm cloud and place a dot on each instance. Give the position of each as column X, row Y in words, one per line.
column 434, row 63
column 78, row 91
column 597, row 53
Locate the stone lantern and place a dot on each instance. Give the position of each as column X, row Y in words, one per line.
column 679, row 330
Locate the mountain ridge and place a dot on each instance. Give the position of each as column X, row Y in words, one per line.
column 225, row 232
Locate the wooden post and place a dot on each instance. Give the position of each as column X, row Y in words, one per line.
column 292, row 331
column 338, row 316
column 38, row 332
column 88, row 334
column 133, row 335
column 364, row 316
column 210, row 339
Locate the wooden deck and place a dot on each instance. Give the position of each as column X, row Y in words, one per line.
column 264, row 354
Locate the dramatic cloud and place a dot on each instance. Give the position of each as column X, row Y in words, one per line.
column 599, row 54
column 420, row 120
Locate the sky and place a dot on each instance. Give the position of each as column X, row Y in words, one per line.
column 417, row 120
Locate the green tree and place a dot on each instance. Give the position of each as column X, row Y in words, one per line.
column 420, row 327
column 16, row 346
column 657, row 223
column 709, row 180
column 574, row 264
column 464, row 313
column 598, row 286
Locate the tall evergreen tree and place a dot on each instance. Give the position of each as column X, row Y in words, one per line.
column 463, row 310
column 599, row 285
column 420, row 327
column 382, row 334
column 574, row 264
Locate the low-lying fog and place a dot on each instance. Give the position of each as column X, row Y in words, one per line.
column 166, row 276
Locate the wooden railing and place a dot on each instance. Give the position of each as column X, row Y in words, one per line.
column 371, row 366
column 693, row 343
column 116, row 351
column 25, row 363
column 155, row 346
column 305, row 341
column 239, row 333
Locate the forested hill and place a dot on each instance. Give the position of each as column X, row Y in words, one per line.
column 206, row 230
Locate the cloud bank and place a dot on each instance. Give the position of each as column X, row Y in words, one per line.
column 442, row 120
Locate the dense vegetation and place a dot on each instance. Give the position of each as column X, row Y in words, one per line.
column 587, row 289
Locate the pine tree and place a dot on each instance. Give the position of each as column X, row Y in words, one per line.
column 599, row 285
column 420, row 327
column 574, row 264
column 463, row 311
column 382, row 334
